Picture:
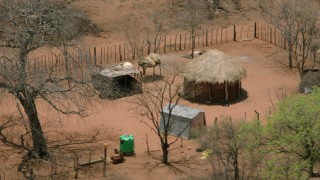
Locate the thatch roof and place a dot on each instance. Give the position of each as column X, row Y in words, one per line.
column 213, row 67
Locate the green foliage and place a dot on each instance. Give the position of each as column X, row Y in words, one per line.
column 294, row 131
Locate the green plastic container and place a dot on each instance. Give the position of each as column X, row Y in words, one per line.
column 127, row 144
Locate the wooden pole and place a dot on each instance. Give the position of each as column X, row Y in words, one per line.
column 108, row 54
column 207, row 37
column 120, row 54
column 101, row 56
column 234, row 33
column 165, row 44
column 217, row 35
column 170, row 45
column 180, row 47
column 226, row 37
column 185, row 41
column 221, row 35
column 175, row 43
column 115, row 53
column 255, row 29
column 95, row 55
column 211, row 35
column 105, row 160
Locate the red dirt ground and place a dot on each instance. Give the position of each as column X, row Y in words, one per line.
column 266, row 79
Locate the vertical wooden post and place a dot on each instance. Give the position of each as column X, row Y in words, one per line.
column 175, row 43
column 275, row 36
column 124, row 51
column 271, row 36
column 170, row 45
column 185, row 41
column 255, row 29
column 95, row 55
column 165, row 44
column 101, row 56
column 104, row 54
column 211, row 35
column 260, row 31
column 115, row 53
column 207, row 37
column 217, row 35
column 105, row 160
column 198, row 40
column 226, row 38
column 221, row 36
column 190, row 40
column 285, row 43
column 234, row 33
column 241, row 33
column 108, row 54
column 180, row 47
column 45, row 64
column 120, row 54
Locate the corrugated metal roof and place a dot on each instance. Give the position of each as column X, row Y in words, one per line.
column 113, row 73
column 183, row 111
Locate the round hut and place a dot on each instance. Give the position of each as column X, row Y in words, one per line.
column 213, row 77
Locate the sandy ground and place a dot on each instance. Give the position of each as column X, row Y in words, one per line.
column 267, row 79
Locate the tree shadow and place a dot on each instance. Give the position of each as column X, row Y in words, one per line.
column 151, row 78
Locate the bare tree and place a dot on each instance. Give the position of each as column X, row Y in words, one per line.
column 151, row 104
column 25, row 27
column 296, row 20
column 191, row 20
column 158, row 31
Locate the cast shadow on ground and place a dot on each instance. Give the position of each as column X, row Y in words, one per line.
column 151, row 78
column 244, row 95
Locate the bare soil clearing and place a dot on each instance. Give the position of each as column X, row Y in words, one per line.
column 267, row 78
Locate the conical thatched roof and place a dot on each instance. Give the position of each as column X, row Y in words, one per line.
column 213, row 67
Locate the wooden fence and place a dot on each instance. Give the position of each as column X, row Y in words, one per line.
column 107, row 55
column 270, row 34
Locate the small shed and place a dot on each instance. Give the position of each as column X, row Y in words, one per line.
column 182, row 120
column 116, row 83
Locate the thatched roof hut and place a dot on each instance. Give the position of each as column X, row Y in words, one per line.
column 213, row 77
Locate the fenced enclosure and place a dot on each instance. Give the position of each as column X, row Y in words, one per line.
column 76, row 58
column 81, row 58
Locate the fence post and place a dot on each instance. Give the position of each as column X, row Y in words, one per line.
column 270, row 35
column 207, row 37
column 221, row 36
column 185, row 41
column 120, row 54
column 165, row 44
column 234, row 33
column 95, row 55
column 115, row 53
column 255, row 29
column 180, row 43
column 217, row 35
column 175, row 43
column 226, row 40
column 108, row 54
column 170, row 45
column 101, row 56
column 211, row 35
